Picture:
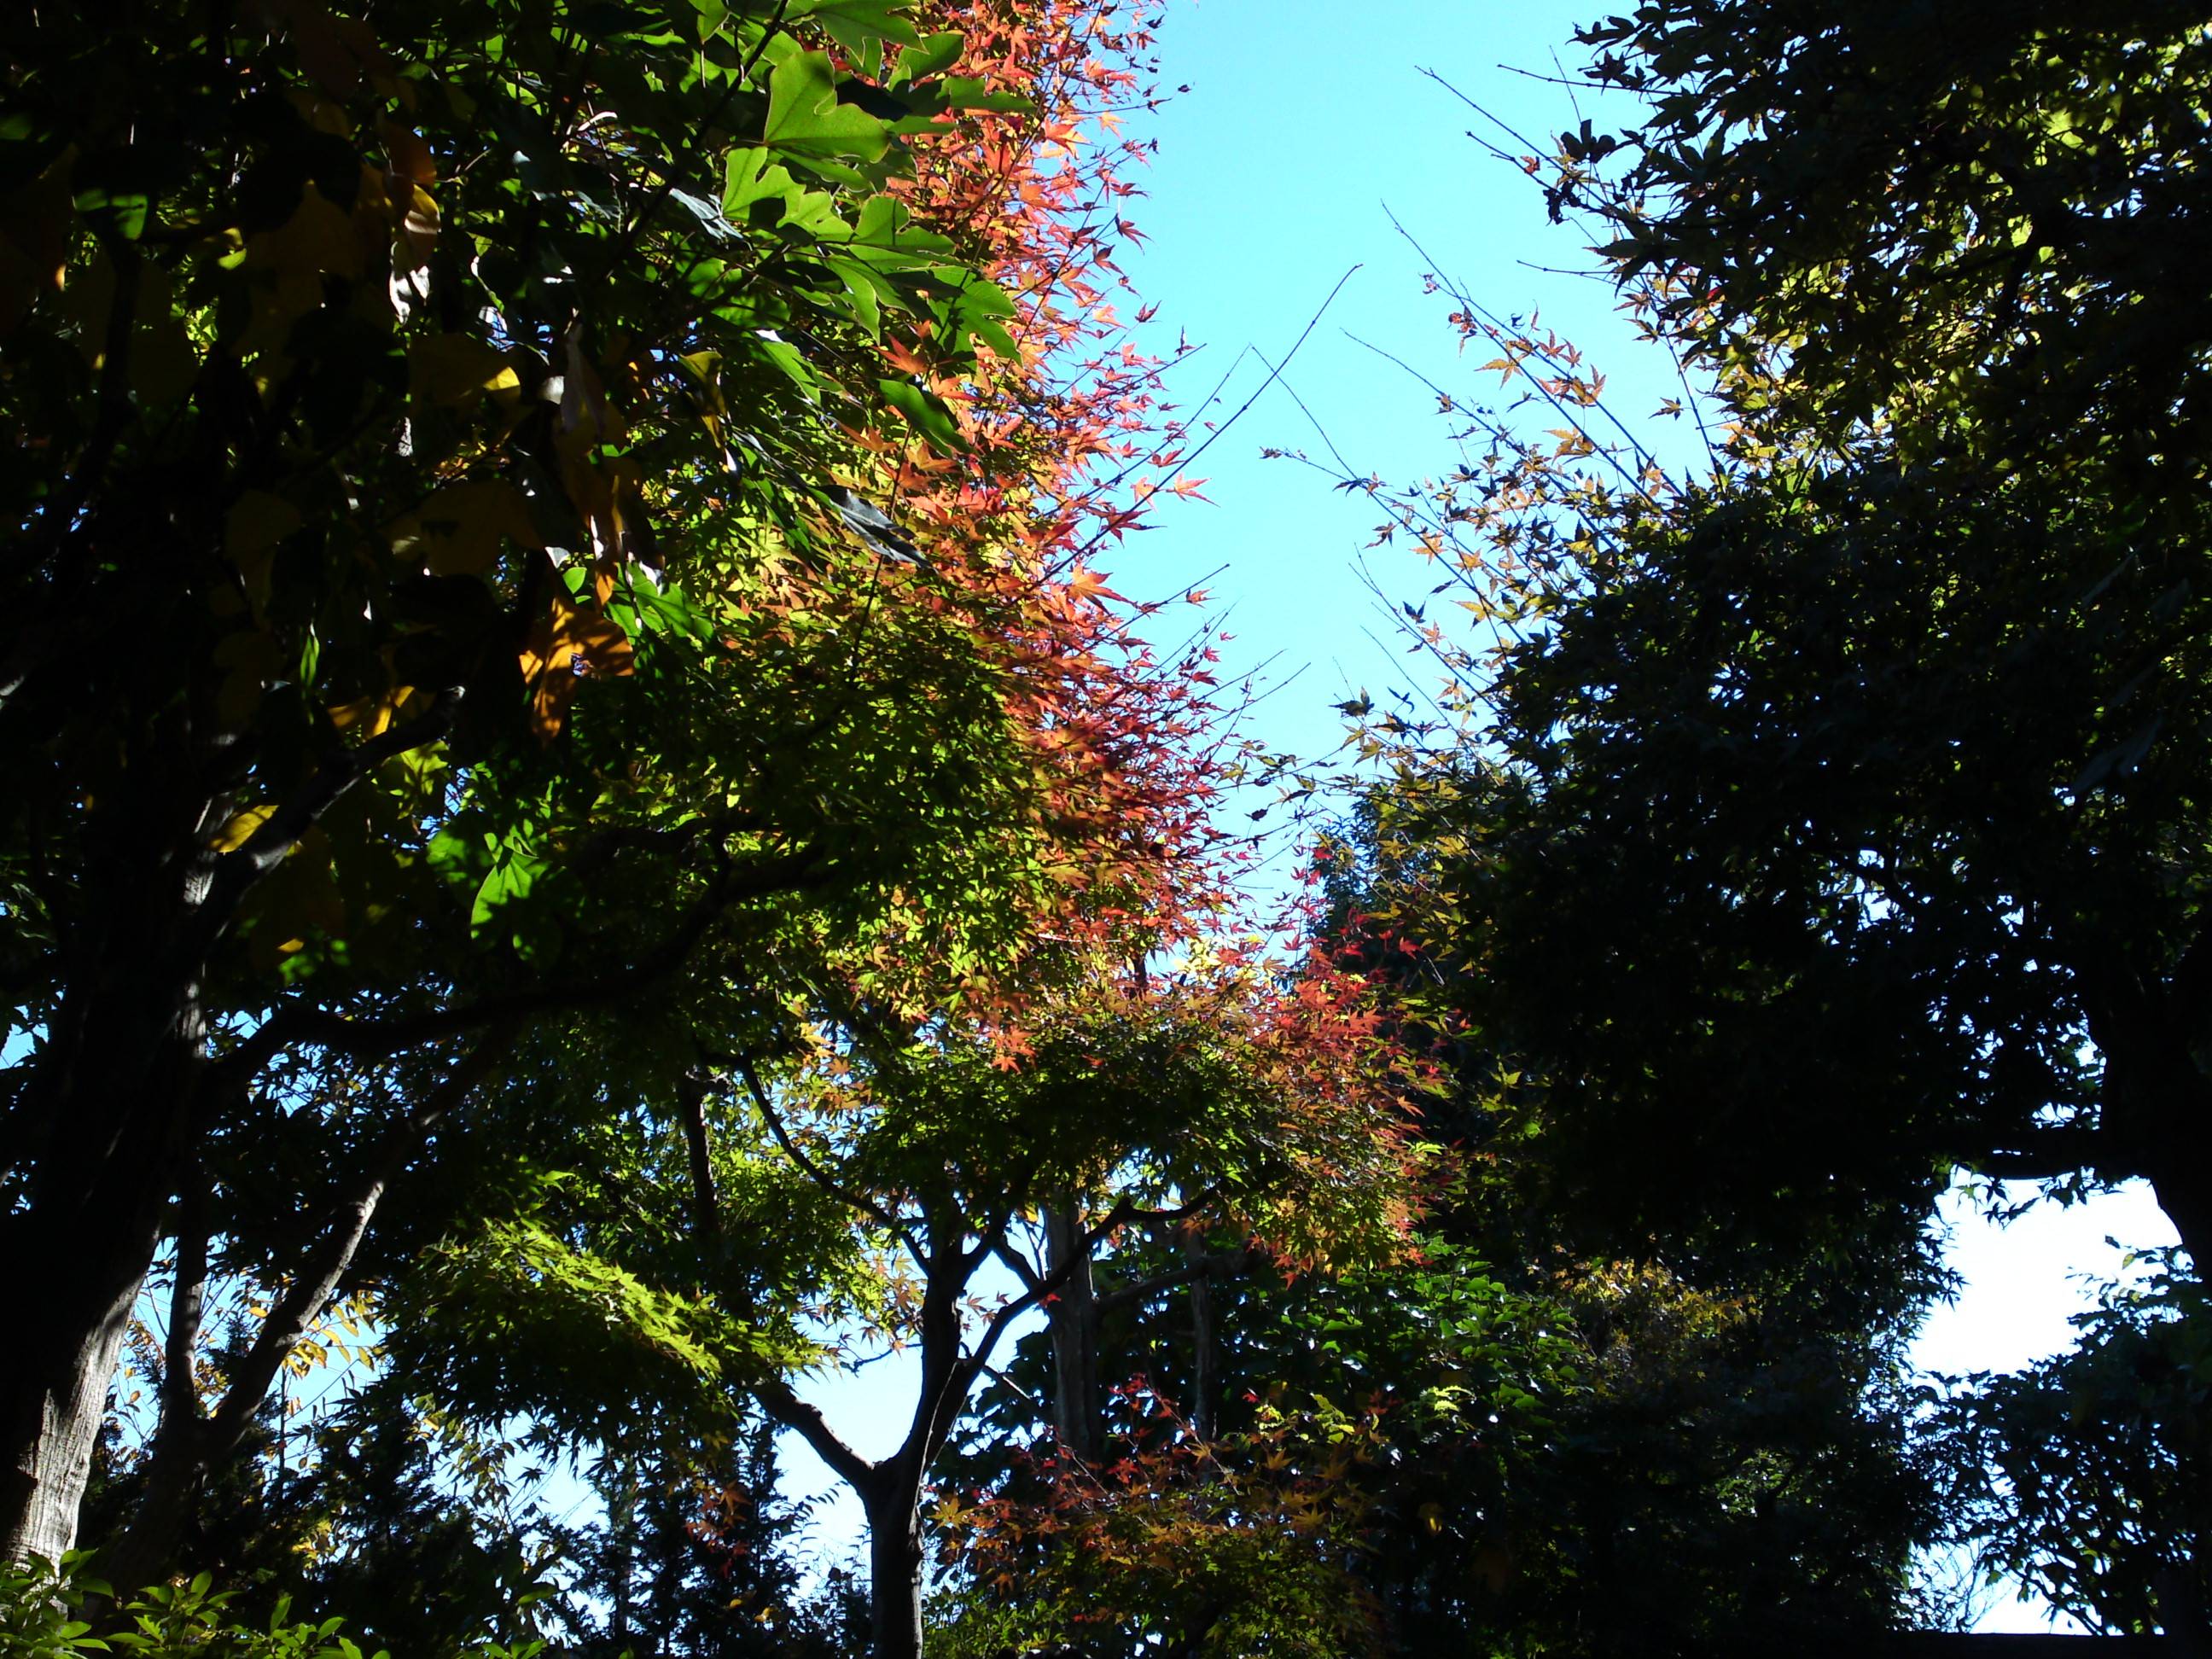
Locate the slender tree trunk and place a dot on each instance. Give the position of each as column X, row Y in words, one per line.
column 1073, row 1323
column 893, row 1503
column 178, row 1457
column 1202, row 1383
column 181, row 1460
column 692, row 1105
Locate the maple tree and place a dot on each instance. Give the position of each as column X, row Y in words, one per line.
column 1215, row 1548
column 508, row 502
column 783, row 1213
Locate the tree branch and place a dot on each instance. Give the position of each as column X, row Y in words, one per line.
column 1014, row 1259
column 821, row 1178
column 1204, row 1267
column 181, row 1459
column 187, row 1301
column 361, row 1039
column 690, row 1105
column 310, row 1290
column 1181, row 1212
column 235, row 873
column 778, row 1400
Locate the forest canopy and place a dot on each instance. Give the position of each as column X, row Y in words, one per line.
column 589, row 844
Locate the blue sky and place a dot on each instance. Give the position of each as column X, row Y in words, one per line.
column 1306, row 130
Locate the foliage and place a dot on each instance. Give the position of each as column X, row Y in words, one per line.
column 617, row 487
column 1804, row 823
column 1588, row 1459
column 1858, row 771
column 1244, row 1548
column 786, row 1211
column 698, row 1554
column 428, row 1536
column 38, row 1604
column 2084, row 1477
column 1968, row 227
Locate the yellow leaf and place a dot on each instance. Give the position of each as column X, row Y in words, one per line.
column 452, row 371
column 407, row 154
column 415, row 215
column 258, row 520
column 296, row 899
column 235, row 834
column 287, row 268
column 567, row 638
column 347, row 716
column 318, row 237
column 457, row 531
column 378, row 712
column 319, row 112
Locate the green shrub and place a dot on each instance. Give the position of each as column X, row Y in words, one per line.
column 41, row 1612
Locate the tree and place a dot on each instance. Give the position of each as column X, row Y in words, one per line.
column 1827, row 819
column 369, row 1513
column 866, row 1181
column 428, row 1536
column 1517, row 1442
column 1497, row 1443
column 1973, row 226
column 699, row 1554
column 460, row 563
column 2084, row 1476
column 1826, row 822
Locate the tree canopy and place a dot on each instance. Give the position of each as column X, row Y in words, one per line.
column 1828, row 824
column 489, row 523
column 583, row 820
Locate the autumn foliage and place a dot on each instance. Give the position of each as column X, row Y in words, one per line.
column 517, row 511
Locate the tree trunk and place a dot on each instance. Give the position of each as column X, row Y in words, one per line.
column 55, row 1401
column 1202, row 1383
column 178, row 1459
column 2185, row 1195
column 893, row 1503
column 73, row 1260
column 1073, row 1322
column 2155, row 1113
column 186, row 1451
column 108, row 1121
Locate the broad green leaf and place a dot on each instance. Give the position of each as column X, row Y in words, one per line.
column 853, row 23
column 805, row 120
column 925, row 412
